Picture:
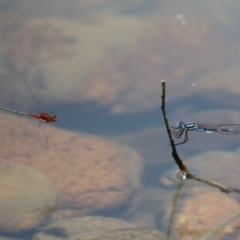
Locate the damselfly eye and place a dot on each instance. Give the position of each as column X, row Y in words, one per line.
column 180, row 124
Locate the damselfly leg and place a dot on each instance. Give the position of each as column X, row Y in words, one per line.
column 178, row 134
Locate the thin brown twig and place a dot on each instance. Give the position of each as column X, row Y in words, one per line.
column 222, row 187
column 181, row 165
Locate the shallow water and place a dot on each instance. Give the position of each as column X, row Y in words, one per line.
column 98, row 66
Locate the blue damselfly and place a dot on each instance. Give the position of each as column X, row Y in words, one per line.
column 181, row 128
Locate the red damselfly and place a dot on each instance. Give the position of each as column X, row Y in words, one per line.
column 41, row 116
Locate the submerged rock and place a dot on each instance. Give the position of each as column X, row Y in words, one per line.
column 123, row 234
column 91, row 173
column 27, row 197
column 81, row 225
column 93, row 228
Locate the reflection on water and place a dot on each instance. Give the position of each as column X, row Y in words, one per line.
column 183, row 231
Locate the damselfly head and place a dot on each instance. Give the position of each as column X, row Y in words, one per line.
column 54, row 118
column 180, row 125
